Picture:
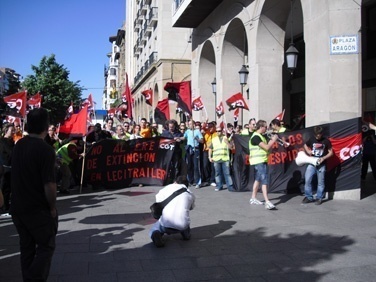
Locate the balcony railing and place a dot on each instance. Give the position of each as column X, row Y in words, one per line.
column 143, row 37
column 145, row 68
column 147, row 28
column 144, row 8
column 136, row 51
column 140, row 16
column 137, row 26
column 153, row 58
column 153, row 16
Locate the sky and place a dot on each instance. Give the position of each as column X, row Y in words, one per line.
column 76, row 31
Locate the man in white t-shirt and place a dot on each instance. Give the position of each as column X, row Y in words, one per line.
column 175, row 216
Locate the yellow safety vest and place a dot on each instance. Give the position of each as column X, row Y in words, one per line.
column 282, row 129
column 220, row 150
column 62, row 154
column 257, row 155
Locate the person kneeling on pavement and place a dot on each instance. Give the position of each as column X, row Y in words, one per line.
column 175, row 216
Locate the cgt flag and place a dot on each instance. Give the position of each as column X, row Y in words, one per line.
column 197, row 104
column 148, row 94
column 16, row 104
column 35, row 101
column 181, row 93
column 236, row 101
column 162, row 112
column 280, row 116
column 220, row 110
column 236, row 115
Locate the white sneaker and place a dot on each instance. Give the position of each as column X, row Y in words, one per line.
column 269, row 206
column 213, row 184
column 253, row 201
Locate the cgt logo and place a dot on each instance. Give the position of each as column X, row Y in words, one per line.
column 349, row 152
column 167, row 144
column 15, row 104
column 237, row 104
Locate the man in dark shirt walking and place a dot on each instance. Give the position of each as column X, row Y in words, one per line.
column 33, row 198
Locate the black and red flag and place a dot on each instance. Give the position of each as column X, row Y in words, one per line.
column 236, row 101
column 162, row 112
column 16, row 104
column 148, row 94
column 181, row 93
column 197, row 104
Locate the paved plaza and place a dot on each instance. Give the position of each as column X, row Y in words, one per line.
column 103, row 236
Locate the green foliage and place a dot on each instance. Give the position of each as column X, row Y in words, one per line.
column 51, row 80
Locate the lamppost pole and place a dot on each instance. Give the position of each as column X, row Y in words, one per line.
column 243, row 77
column 214, row 90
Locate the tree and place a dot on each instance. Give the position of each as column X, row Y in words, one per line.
column 51, row 80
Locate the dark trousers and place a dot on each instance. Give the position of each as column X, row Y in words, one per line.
column 175, row 166
column 368, row 158
column 6, row 189
column 208, row 171
column 193, row 163
column 37, row 233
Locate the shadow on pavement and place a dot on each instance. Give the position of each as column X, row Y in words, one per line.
column 216, row 251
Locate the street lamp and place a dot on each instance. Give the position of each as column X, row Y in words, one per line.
column 214, row 90
column 292, row 53
column 292, row 58
column 243, row 77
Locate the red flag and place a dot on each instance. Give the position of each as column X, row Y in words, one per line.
column 197, row 104
column 127, row 98
column 148, row 96
column 236, row 101
column 16, row 104
column 281, row 115
column 77, row 123
column 35, row 101
column 219, row 110
column 162, row 112
column 236, row 115
column 181, row 93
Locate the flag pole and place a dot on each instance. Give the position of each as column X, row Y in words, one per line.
column 83, row 163
column 206, row 113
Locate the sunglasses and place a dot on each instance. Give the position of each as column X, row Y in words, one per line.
column 219, row 130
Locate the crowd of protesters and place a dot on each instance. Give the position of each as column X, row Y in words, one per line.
column 198, row 154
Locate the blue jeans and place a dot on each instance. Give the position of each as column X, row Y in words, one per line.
column 157, row 226
column 222, row 169
column 193, row 163
column 261, row 173
column 310, row 172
